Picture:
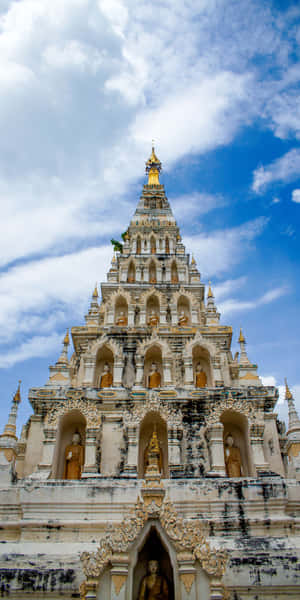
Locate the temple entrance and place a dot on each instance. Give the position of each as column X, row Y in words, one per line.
column 153, row 550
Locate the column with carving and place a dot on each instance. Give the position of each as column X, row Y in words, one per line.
column 90, row 455
column 130, row 467
column 216, row 448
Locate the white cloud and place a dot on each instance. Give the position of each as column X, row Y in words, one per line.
column 45, row 293
column 188, row 206
column 283, row 170
column 231, row 305
column 218, row 251
column 35, row 347
column 296, row 196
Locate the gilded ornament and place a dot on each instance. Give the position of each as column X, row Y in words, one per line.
column 118, row 581
column 187, row 580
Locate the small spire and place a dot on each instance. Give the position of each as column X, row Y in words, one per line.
column 17, row 396
column 193, row 262
column 153, row 168
column 294, row 421
column 241, row 339
column 288, row 393
column 210, row 294
column 66, row 338
column 95, row 292
column 113, row 260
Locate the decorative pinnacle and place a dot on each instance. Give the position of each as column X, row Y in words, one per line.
column 210, row 294
column 66, row 339
column 241, row 339
column 95, row 292
column 193, row 262
column 288, row 393
column 17, row 396
column 153, row 168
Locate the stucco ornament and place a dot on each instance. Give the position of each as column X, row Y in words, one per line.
column 87, row 407
column 185, row 535
column 241, row 405
column 153, row 403
column 155, row 340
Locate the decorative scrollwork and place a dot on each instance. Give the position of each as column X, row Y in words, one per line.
column 86, row 407
column 153, row 404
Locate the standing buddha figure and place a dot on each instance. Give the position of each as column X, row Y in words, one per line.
column 233, row 461
column 200, row 379
column 106, row 377
column 154, row 378
column 73, row 458
column 153, row 456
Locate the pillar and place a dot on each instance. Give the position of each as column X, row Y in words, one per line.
column 48, row 450
column 118, row 370
column 257, row 445
column 216, row 448
column 90, row 464
column 167, row 363
column 174, row 446
column 132, row 454
column 188, row 371
column 89, row 370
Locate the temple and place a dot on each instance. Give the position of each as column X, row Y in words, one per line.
column 153, row 466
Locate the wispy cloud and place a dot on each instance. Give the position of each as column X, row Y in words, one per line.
column 217, row 251
column 188, row 206
column 231, row 305
column 283, row 170
column 296, row 196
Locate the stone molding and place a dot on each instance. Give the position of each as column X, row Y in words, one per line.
column 104, row 341
column 182, row 292
column 152, row 292
column 199, row 340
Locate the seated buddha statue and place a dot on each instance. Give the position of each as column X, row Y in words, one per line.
column 122, row 319
column 106, row 377
column 73, row 458
column 153, row 455
column 154, row 377
column 153, row 319
column 182, row 319
column 154, row 586
column 152, row 278
column 200, row 378
column 233, row 461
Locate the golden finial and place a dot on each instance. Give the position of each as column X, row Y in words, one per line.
column 153, row 168
column 193, row 260
column 67, row 339
column 288, row 393
column 113, row 260
column 210, row 294
column 17, row 396
column 95, row 292
column 241, row 339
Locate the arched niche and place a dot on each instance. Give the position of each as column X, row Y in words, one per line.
column 201, row 361
column 121, row 312
column 152, row 548
column 138, row 244
column 167, row 245
column 236, row 424
column 153, row 244
column 152, row 272
column 104, row 357
column 131, row 272
column 71, row 422
column 183, row 311
column 153, row 356
column 152, row 311
column 174, row 272
column 152, row 421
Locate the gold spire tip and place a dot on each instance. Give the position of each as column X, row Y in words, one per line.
column 210, row 294
column 67, row 339
column 95, row 292
column 288, row 393
column 17, row 396
column 193, row 260
column 241, row 337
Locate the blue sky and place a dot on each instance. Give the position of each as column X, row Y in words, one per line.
column 85, row 86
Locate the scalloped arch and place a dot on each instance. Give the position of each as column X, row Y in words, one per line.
column 198, row 340
column 143, row 347
column 120, row 292
column 105, row 341
column 182, row 292
column 153, row 291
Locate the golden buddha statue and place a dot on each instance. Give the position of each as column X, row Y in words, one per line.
column 200, row 378
column 106, row 377
column 153, row 319
column 233, row 462
column 152, row 278
column 153, row 586
column 182, row 319
column 122, row 319
column 73, row 458
column 174, row 278
column 130, row 279
column 154, row 378
column 153, row 456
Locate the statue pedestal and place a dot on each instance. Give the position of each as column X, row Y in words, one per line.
column 153, row 490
